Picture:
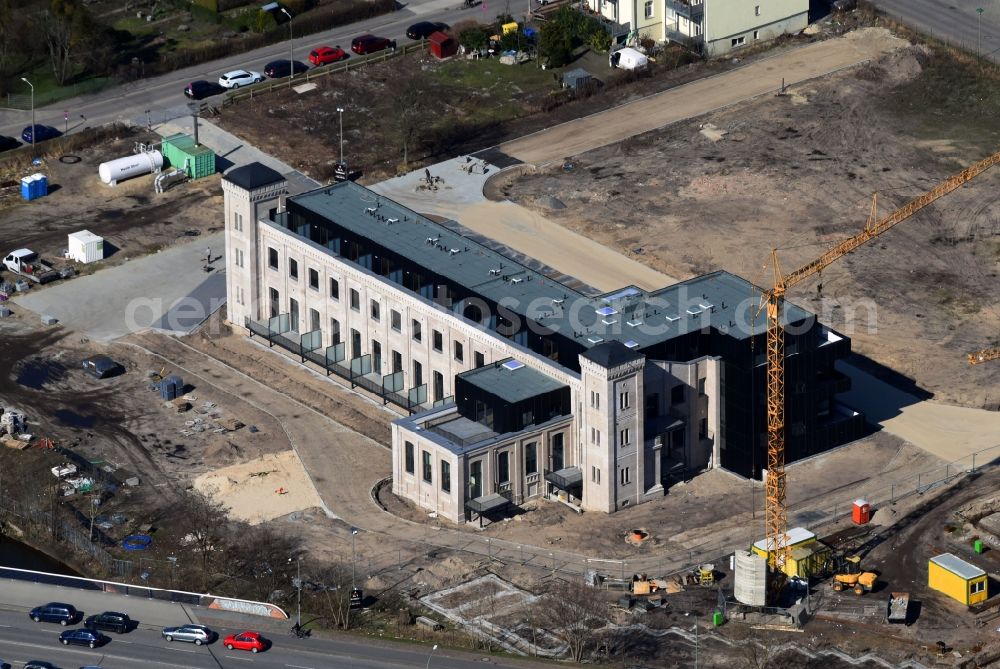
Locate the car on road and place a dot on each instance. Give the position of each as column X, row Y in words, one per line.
column 364, row 44
column 6, row 144
column 109, row 621
column 324, row 55
column 83, row 637
column 40, row 133
column 201, row 89
column 55, row 612
column 39, row 664
column 277, row 69
column 251, row 641
column 424, row 29
column 238, row 78
column 196, row 634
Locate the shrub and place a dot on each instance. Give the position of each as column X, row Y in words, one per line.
column 474, row 37
column 556, row 43
column 600, row 41
column 210, row 5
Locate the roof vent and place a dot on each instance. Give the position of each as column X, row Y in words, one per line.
column 609, row 321
column 454, row 251
column 634, row 323
column 433, row 240
column 706, row 305
column 672, row 319
column 594, row 340
column 694, row 311
column 392, row 220
column 496, row 271
column 512, row 365
column 516, row 280
column 371, row 211
column 559, row 301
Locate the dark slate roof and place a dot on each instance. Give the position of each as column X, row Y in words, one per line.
column 611, row 354
column 254, row 175
column 510, row 385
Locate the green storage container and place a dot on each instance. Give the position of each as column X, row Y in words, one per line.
column 977, row 545
column 182, row 154
column 718, row 618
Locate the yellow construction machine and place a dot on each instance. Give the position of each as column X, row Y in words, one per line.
column 850, row 576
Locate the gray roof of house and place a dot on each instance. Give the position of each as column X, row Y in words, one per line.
column 958, row 566
column 510, row 382
column 633, row 316
column 254, row 175
column 611, row 354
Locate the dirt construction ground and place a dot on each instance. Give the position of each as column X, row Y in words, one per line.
column 797, row 172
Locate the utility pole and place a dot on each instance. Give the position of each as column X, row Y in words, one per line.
column 340, row 113
column 979, row 32
column 34, row 130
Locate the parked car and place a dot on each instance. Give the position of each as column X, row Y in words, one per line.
column 277, row 69
column 55, row 612
column 370, row 44
column 6, row 144
column 83, row 637
column 201, row 89
column 238, row 78
column 40, row 133
column 196, row 634
column 324, row 55
column 424, row 29
column 251, row 641
column 4, row 665
column 109, row 621
column 39, row 664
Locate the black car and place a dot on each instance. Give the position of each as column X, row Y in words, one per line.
column 110, row 621
column 83, row 637
column 39, row 664
column 40, row 133
column 424, row 29
column 8, row 143
column 198, row 90
column 55, row 612
column 277, row 69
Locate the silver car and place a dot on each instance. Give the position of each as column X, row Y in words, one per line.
column 238, row 78
column 196, row 634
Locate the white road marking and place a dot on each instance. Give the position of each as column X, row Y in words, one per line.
column 233, row 657
column 297, row 666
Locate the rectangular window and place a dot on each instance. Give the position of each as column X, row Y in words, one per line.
column 428, row 466
column 703, row 428
column 272, row 258
column 438, row 386
column 397, row 362
column 531, row 458
column 626, row 475
column 376, row 310
column 355, row 300
column 445, row 476
column 418, row 374
column 275, row 301
column 756, row 34
column 415, row 330
column 756, row 10
column 701, row 387
column 409, row 458
column 293, row 268
column 623, row 400
column 293, row 314
column 396, row 320
column 595, row 475
column 595, row 400
column 677, row 395
column 438, row 340
column 556, row 451
column 595, row 436
column 376, row 357
column 476, row 479
column 479, row 359
column 313, row 279
column 239, row 258
column 355, row 344
column 334, row 289
column 238, row 221
column 978, row 586
column 649, row 9
column 313, row 320
column 503, row 467
column 626, row 437
column 334, row 332
column 459, row 353
column 738, row 41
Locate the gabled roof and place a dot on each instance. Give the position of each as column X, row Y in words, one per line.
column 253, row 176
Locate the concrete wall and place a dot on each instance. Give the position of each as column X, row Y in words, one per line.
column 751, row 21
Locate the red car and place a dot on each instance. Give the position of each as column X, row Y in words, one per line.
column 370, row 44
column 251, row 641
column 324, row 55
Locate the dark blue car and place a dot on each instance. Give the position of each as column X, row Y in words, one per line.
column 54, row 612
column 83, row 637
column 41, row 133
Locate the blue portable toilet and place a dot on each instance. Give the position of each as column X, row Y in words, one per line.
column 27, row 188
column 42, row 182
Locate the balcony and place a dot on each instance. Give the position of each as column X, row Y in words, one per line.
column 694, row 11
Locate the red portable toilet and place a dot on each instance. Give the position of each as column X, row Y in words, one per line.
column 861, row 512
column 442, row 45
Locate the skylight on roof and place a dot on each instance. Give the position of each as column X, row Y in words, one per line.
column 512, row 365
column 706, row 305
column 634, row 323
column 631, row 343
column 694, row 311
column 609, row 321
column 594, row 340
column 606, row 311
column 672, row 319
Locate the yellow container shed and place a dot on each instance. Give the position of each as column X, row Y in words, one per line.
column 957, row 578
column 806, row 555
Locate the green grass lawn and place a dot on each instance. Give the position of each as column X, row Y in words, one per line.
column 490, row 75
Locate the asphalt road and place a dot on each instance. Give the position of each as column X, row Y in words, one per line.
column 954, row 21
column 164, row 98
column 22, row 640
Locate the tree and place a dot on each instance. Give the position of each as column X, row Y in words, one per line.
column 577, row 614
column 329, row 594
column 412, row 104
column 205, row 529
column 556, row 44
column 62, row 25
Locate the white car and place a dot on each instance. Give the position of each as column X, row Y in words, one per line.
column 238, row 78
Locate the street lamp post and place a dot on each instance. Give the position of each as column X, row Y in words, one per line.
column 33, row 128
column 979, row 32
column 430, row 656
column 340, row 113
column 354, row 558
column 298, row 591
column 291, row 66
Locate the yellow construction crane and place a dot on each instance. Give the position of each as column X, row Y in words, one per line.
column 985, row 355
column 775, row 517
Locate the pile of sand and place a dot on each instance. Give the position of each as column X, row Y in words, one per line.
column 262, row 489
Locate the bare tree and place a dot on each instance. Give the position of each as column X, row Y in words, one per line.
column 329, row 594
column 410, row 87
column 577, row 614
column 758, row 649
column 57, row 26
column 204, row 524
